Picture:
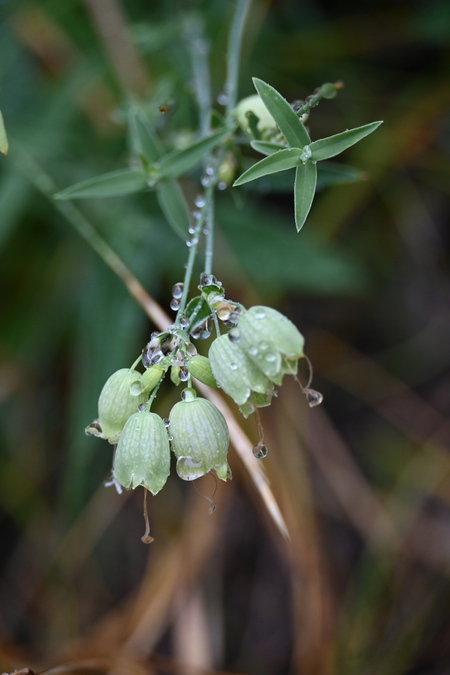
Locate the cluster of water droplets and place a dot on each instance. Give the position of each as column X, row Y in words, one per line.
column 177, row 293
column 154, row 351
column 202, row 330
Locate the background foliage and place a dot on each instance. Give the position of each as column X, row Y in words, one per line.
column 363, row 481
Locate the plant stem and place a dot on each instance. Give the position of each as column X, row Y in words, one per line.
column 234, row 52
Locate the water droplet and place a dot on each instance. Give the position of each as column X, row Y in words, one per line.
column 306, row 154
column 191, row 349
column 174, row 304
column 200, row 201
column 177, row 290
column 141, row 408
column 253, row 351
column 205, row 230
column 205, row 181
column 207, row 279
column 260, row 450
column 233, row 366
column 183, row 374
column 221, row 185
column 263, row 345
column 222, row 98
column 184, row 322
column 270, row 357
column 202, row 331
column 192, row 241
column 313, row 397
column 188, row 394
column 234, row 335
column 209, row 171
column 223, row 313
column 196, row 215
column 212, row 508
column 166, row 422
column 136, row 388
column 170, row 438
column 189, row 469
column 233, row 318
column 260, row 314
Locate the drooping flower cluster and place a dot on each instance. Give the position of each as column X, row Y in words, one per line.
column 246, row 362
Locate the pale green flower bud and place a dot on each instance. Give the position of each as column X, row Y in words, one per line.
column 148, row 380
column 200, row 438
column 143, row 453
column 200, row 367
column 271, row 341
column 115, row 404
column 238, row 375
column 256, row 106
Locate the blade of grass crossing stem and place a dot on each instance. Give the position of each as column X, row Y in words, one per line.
column 304, row 190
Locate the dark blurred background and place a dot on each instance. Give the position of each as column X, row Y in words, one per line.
column 363, row 482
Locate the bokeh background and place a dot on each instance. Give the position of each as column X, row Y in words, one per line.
column 363, row 482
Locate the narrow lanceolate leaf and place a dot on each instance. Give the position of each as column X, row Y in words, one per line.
column 174, row 207
column 3, row 137
column 279, row 161
column 333, row 145
column 114, row 184
column 286, row 119
column 143, row 139
column 266, row 147
column 178, row 162
column 304, row 189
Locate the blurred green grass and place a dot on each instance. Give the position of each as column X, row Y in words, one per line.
column 363, row 482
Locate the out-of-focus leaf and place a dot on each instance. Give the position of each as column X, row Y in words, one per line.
column 332, row 173
column 304, row 190
column 276, row 260
column 266, row 147
column 3, row 137
column 143, row 139
column 174, row 206
column 333, row 145
column 178, row 162
column 286, row 119
column 114, row 184
column 279, row 161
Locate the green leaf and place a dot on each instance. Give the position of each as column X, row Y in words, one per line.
column 333, row 145
column 3, row 137
column 266, row 147
column 178, row 162
column 304, row 190
column 279, row 161
column 286, row 119
column 114, row 184
column 143, row 139
column 173, row 204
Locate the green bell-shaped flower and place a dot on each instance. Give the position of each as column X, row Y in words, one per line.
column 143, row 453
column 200, row 367
column 239, row 376
column 270, row 340
column 116, row 403
column 199, row 437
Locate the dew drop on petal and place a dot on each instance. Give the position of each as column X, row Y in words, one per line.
column 234, row 335
column 253, row 351
column 188, row 394
column 233, row 366
column 313, row 397
column 260, row 314
column 270, row 357
column 188, row 469
column 166, row 422
column 260, row 450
